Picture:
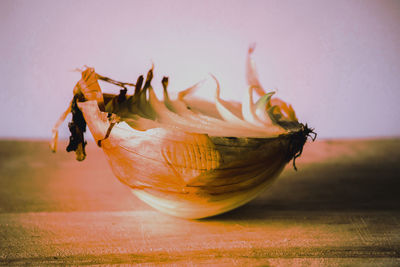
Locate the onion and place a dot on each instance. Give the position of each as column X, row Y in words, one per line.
column 189, row 157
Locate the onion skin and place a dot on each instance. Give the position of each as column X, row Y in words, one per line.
column 186, row 174
column 186, row 157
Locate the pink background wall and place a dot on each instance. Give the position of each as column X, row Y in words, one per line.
column 337, row 62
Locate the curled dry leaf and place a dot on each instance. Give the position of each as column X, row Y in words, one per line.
column 186, row 156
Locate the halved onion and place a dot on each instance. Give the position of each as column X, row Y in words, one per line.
column 188, row 157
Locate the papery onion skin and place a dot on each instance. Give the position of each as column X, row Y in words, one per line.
column 182, row 158
column 231, row 172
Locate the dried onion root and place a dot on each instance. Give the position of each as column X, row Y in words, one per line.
column 185, row 156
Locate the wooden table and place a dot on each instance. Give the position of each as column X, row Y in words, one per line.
column 341, row 208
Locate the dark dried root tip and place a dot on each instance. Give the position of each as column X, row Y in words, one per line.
column 138, row 86
column 297, row 141
column 309, row 131
column 77, row 128
column 107, row 134
column 122, row 94
column 109, row 80
column 113, row 119
column 148, row 78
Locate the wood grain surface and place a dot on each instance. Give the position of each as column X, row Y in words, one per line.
column 341, row 208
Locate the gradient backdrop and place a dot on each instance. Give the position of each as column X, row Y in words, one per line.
column 337, row 62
